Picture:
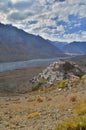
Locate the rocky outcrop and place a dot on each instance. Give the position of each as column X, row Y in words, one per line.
column 57, row 71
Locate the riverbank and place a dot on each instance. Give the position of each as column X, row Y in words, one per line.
column 17, row 81
column 25, row 64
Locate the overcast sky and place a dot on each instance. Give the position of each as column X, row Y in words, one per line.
column 63, row 20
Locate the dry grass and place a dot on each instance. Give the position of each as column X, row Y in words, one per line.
column 80, row 109
column 74, row 123
column 75, row 81
column 73, row 99
column 83, row 77
column 34, row 114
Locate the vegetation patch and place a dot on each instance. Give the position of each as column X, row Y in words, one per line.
column 73, row 99
column 34, row 114
column 62, row 83
column 75, row 81
column 74, row 123
column 83, row 77
column 37, row 86
column 80, row 109
column 53, row 87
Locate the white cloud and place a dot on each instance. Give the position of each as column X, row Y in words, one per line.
column 83, row 35
column 14, row 1
column 19, row 12
column 77, row 25
column 76, row 37
column 61, row 29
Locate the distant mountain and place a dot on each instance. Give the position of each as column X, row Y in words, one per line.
column 59, row 44
column 17, row 45
column 75, row 47
column 81, row 60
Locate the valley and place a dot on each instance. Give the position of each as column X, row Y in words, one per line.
column 41, row 83
column 23, row 109
column 42, row 64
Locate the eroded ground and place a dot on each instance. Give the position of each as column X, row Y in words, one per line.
column 39, row 110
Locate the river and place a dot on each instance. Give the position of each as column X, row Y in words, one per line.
column 24, row 64
column 30, row 63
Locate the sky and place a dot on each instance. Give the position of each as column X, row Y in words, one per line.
column 57, row 20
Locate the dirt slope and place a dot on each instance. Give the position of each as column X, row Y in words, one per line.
column 39, row 110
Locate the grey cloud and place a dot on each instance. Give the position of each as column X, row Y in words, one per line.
column 17, row 16
column 23, row 5
column 32, row 22
column 10, row 5
column 3, row 1
column 27, row 5
column 60, row 0
column 6, row 6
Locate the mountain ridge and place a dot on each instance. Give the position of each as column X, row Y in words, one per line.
column 76, row 47
column 18, row 45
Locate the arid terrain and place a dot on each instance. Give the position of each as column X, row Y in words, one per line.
column 42, row 64
column 17, row 81
column 40, row 110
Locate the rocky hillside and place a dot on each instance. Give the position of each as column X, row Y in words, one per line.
column 50, row 109
column 17, row 45
column 61, row 70
column 58, row 106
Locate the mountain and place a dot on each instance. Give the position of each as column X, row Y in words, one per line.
column 81, row 60
column 75, row 47
column 58, row 44
column 17, row 45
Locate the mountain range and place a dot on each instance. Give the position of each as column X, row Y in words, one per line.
column 18, row 45
column 59, row 44
column 75, row 48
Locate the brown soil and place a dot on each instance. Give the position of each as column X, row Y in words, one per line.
column 52, row 107
column 17, row 81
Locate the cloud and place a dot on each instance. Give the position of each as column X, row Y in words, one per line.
column 32, row 22
column 22, row 5
column 77, row 25
column 17, row 16
column 76, row 37
column 54, row 19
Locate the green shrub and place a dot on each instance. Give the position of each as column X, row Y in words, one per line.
column 37, row 86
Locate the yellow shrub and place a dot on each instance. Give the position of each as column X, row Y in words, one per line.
column 75, row 81
column 81, row 108
column 34, row 114
column 51, row 88
column 62, row 83
column 74, row 123
column 83, row 77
